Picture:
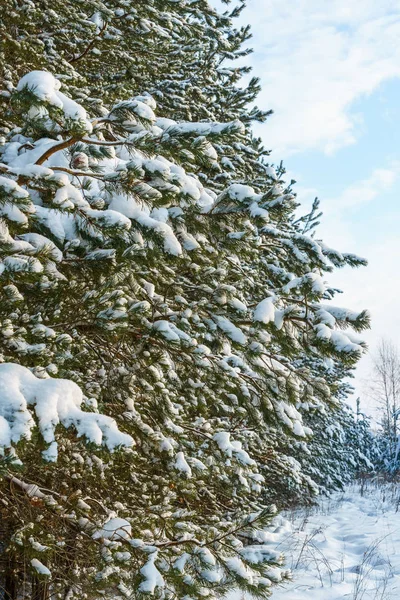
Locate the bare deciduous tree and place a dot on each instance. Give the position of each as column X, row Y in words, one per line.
column 385, row 391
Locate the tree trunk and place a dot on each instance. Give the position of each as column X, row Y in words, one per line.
column 40, row 590
column 8, row 566
column 9, row 590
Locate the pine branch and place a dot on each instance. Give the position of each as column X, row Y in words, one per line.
column 56, row 148
column 90, row 45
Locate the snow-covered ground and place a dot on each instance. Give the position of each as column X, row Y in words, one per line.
column 346, row 548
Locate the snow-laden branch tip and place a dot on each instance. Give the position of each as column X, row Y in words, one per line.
column 26, row 400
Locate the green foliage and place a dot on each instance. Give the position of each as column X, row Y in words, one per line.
column 158, row 263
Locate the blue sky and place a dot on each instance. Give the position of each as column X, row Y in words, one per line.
column 330, row 70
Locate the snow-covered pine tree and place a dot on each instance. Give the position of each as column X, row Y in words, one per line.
column 341, row 449
column 385, row 394
column 63, row 214
column 185, row 312
column 175, row 50
column 342, row 443
column 364, row 442
column 181, row 293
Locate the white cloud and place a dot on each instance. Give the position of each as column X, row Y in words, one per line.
column 342, row 212
column 315, row 58
column 366, row 190
column 346, row 207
